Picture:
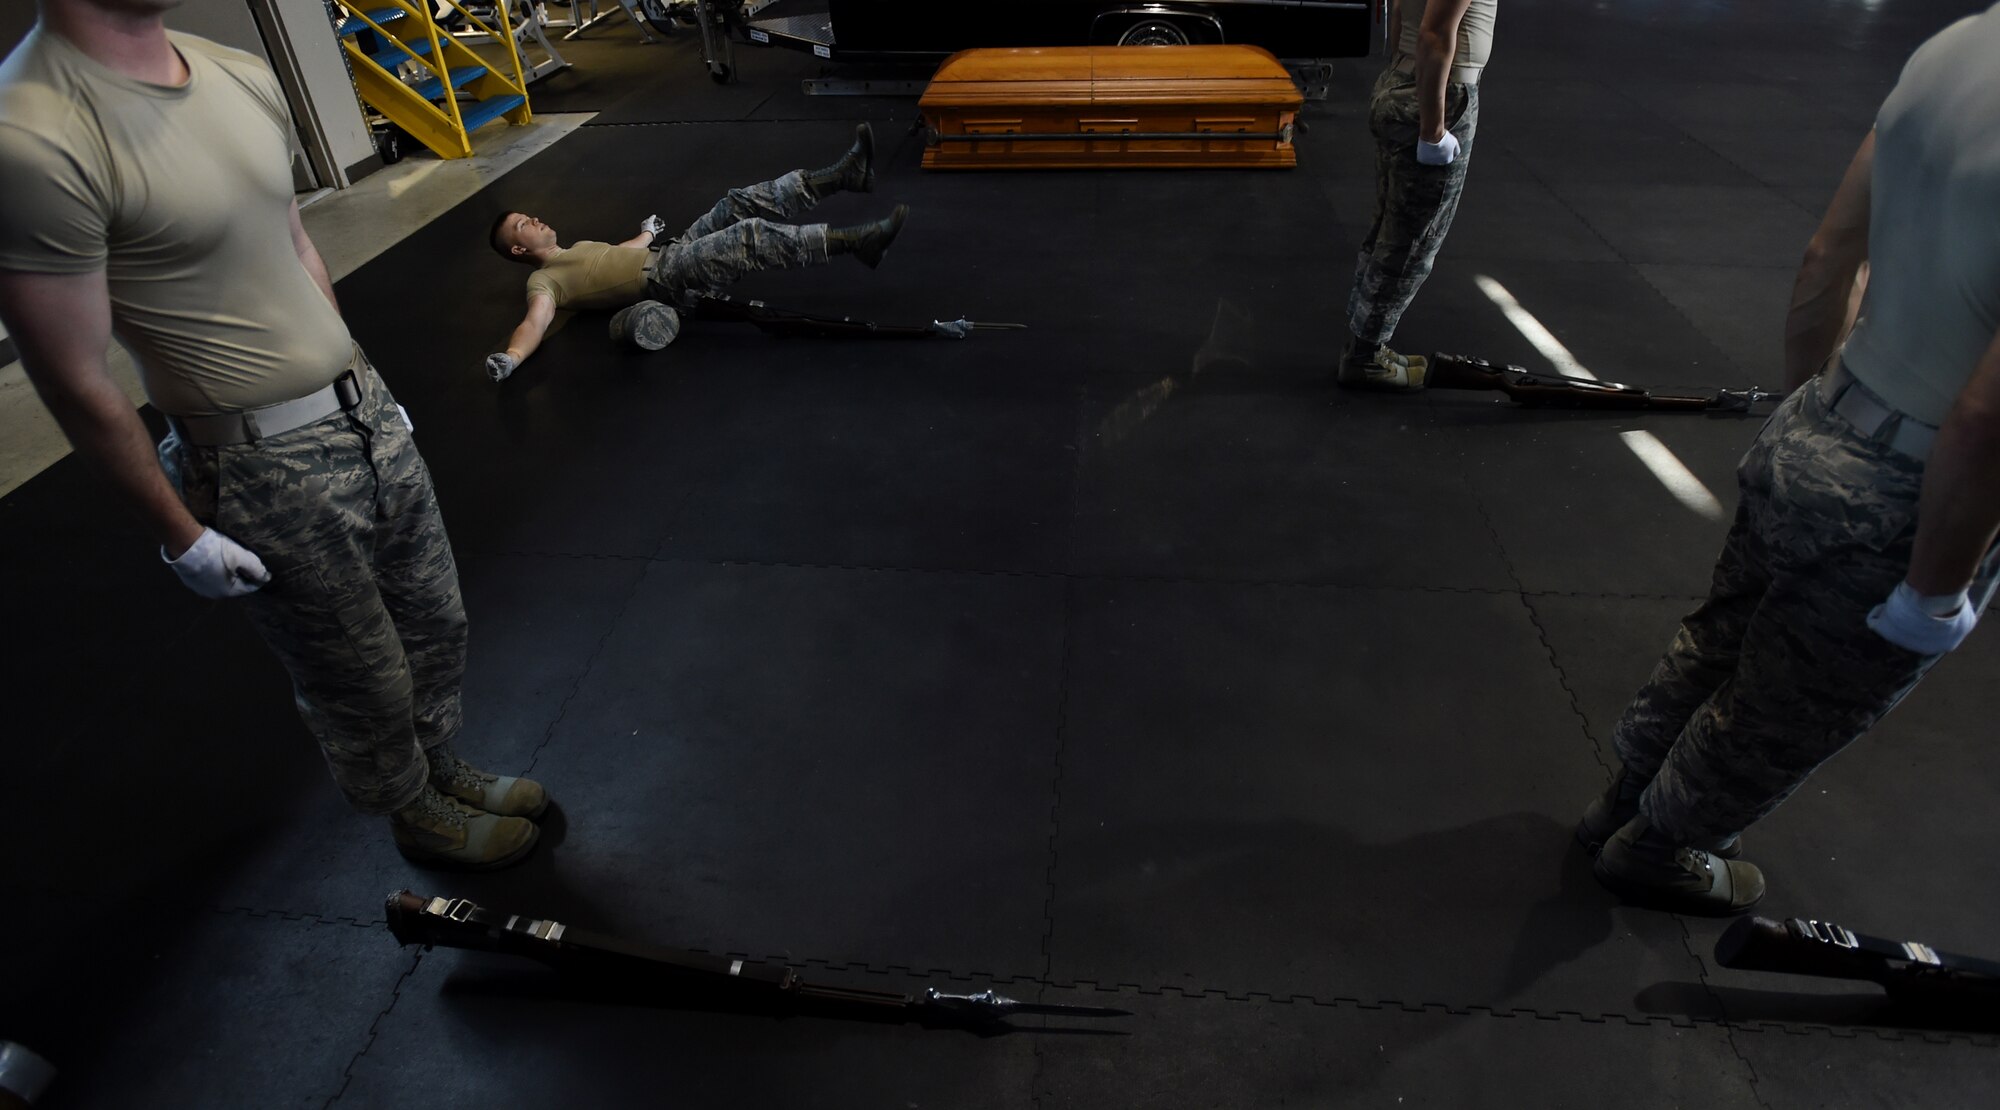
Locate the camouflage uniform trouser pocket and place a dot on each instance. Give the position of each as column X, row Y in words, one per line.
column 1414, row 203
column 363, row 608
column 739, row 236
column 1777, row 671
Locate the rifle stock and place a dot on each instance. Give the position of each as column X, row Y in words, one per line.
column 621, row 964
column 1761, row 944
column 1906, row 969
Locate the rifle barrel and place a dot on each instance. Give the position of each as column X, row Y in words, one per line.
column 1537, row 390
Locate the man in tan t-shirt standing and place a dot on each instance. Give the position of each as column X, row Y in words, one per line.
column 1864, row 545
column 1424, row 113
column 149, row 195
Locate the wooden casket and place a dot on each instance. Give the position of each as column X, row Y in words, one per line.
column 1110, row 107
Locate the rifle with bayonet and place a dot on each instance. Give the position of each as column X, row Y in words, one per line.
column 784, row 321
column 595, row 959
column 1537, row 390
column 1908, row 970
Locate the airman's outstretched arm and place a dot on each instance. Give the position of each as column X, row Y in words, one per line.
column 527, row 336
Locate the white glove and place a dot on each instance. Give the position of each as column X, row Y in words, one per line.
column 217, row 566
column 24, row 1074
column 1925, row 625
column 1441, row 153
column 405, row 414
column 653, row 224
column 499, row 365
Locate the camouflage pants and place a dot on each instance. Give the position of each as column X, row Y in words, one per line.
column 740, row 236
column 363, row 607
column 1414, row 203
column 1777, row 671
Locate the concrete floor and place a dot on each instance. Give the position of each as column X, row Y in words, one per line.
column 1120, row 661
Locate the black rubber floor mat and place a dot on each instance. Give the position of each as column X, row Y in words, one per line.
column 1340, row 813
column 228, row 988
column 854, row 765
column 1121, row 659
column 1212, row 1050
column 517, row 1039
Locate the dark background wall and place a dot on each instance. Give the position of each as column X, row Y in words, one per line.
column 15, row 19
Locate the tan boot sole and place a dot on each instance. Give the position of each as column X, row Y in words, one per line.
column 1672, row 901
column 435, row 862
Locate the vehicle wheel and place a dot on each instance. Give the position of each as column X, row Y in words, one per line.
column 389, row 144
column 721, row 74
column 658, row 15
column 1154, row 32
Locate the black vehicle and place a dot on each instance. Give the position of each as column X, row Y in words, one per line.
column 921, row 30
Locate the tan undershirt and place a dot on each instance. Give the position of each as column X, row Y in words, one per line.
column 1475, row 37
column 182, row 196
column 1933, row 301
column 593, row 275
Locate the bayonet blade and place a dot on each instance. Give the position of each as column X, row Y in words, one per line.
column 1058, row 1009
column 994, row 1005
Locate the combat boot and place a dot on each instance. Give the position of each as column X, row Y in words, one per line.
column 1372, row 366
column 445, row 833
column 499, row 795
column 868, row 242
column 1619, row 804
column 854, row 173
column 1642, row 866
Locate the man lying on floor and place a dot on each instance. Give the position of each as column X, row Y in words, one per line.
column 737, row 237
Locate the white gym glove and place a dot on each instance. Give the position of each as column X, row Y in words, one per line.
column 653, row 224
column 24, row 1074
column 499, row 365
column 1441, row 153
column 1925, row 625
column 217, row 566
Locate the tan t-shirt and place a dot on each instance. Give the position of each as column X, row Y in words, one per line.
column 593, row 275
column 182, row 196
column 1933, row 302
column 1475, row 37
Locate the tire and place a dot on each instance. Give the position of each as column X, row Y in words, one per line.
column 389, row 144
column 1154, row 31
column 657, row 16
column 721, row 75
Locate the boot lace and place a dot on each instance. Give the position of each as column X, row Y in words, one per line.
column 1693, row 862
column 462, row 775
column 443, row 810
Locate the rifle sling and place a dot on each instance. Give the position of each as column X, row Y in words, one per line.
column 1914, row 957
column 457, row 923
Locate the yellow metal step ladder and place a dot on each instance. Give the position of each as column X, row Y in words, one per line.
column 431, row 108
